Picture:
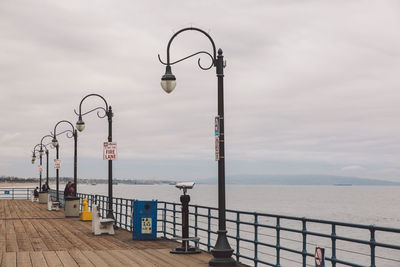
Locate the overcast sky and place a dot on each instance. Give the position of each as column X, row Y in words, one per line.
column 311, row 87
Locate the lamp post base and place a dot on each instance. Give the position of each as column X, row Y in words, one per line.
column 222, row 252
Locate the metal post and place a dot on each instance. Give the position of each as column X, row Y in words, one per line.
column 47, row 167
column 372, row 245
column 57, row 174
column 278, row 242
column 222, row 251
column 304, row 233
column 40, row 174
column 75, row 161
column 333, row 237
column 110, row 191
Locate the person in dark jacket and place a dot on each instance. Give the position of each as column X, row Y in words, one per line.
column 66, row 190
column 36, row 192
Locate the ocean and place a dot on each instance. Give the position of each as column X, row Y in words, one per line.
column 370, row 205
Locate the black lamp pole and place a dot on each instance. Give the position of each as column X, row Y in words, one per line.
column 35, row 149
column 222, row 252
column 75, row 135
column 80, row 125
column 47, row 157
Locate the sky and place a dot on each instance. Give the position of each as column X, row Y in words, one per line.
column 311, row 87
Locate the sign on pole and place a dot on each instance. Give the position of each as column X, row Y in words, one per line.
column 110, row 151
column 40, row 168
column 57, row 163
column 319, row 257
column 217, row 132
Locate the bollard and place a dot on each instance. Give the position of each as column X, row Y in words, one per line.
column 86, row 215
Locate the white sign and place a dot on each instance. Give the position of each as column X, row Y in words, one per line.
column 57, row 163
column 146, row 225
column 40, row 168
column 110, row 151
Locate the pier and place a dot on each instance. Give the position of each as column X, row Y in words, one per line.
column 30, row 235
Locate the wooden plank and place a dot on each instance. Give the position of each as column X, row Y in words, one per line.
column 138, row 259
column 185, row 259
column 108, row 258
column 96, row 260
column 37, row 259
column 9, row 259
column 81, row 259
column 148, row 257
column 123, row 258
column 66, row 259
column 52, row 259
column 23, row 259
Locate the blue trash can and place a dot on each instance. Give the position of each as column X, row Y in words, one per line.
column 144, row 220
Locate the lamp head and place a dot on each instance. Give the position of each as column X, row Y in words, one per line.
column 168, row 80
column 33, row 157
column 80, row 124
column 54, row 142
column 41, row 152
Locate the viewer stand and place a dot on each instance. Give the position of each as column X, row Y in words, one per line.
column 186, row 248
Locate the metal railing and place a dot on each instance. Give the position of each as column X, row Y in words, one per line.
column 15, row 193
column 276, row 240
column 262, row 239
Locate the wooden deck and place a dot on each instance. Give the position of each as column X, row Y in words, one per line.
column 32, row 236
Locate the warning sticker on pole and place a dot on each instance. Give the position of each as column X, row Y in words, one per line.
column 146, row 225
column 110, row 151
column 40, row 167
column 319, row 257
column 216, row 148
column 57, row 163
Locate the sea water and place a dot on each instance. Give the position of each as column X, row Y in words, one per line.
column 370, row 205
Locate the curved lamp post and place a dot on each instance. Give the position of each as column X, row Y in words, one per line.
column 41, row 152
column 80, row 125
column 222, row 251
column 47, row 157
column 54, row 142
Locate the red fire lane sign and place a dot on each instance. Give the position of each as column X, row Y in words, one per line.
column 110, row 151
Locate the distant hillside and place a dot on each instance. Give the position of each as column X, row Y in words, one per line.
column 298, row 180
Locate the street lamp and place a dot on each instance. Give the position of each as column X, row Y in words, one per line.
column 35, row 149
column 47, row 157
column 222, row 252
column 54, row 142
column 80, row 125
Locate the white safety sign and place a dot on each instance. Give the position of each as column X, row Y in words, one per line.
column 110, row 151
column 146, row 225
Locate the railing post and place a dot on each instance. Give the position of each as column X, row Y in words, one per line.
column 333, row 237
column 209, row 231
column 237, row 236
column 13, row 193
column 304, row 233
column 278, row 242
column 27, row 193
column 174, row 220
column 195, row 223
column 372, row 245
column 165, row 220
column 255, row 240
column 120, row 212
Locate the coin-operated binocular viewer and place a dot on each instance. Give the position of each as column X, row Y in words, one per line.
column 186, row 248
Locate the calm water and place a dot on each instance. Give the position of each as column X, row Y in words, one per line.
column 358, row 204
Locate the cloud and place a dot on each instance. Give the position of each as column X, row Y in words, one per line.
column 312, row 86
